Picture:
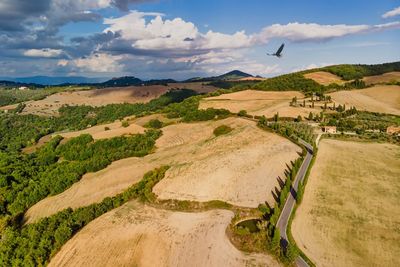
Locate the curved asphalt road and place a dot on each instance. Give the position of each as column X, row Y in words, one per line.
column 291, row 201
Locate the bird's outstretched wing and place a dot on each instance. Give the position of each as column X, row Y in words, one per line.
column 280, row 49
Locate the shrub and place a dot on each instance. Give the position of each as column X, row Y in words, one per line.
column 242, row 113
column 156, row 124
column 223, row 129
column 125, row 124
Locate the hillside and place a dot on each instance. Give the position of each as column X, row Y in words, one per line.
column 232, row 75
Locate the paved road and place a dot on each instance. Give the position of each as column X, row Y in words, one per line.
column 291, row 201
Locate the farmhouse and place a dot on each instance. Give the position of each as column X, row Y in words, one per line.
column 395, row 130
column 23, row 88
column 329, row 129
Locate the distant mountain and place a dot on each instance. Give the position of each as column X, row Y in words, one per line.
column 122, row 81
column 132, row 81
column 49, row 80
column 232, row 75
column 11, row 84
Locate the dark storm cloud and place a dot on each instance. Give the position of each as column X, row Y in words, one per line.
column 14, row 13
column 123, row 4
column 119, row 46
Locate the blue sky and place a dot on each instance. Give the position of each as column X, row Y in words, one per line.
column 181, row 39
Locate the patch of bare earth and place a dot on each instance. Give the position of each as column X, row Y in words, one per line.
column 324, row 78
column 350, row 213
column 106, row 131
column 100, row 97
column 97, row 97
column 137, row 235
column 380, row 98
column 259, row 103
column 241, row 167
column 384, row 78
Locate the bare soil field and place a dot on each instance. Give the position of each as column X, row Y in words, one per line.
column 380, row 98
column 241, row 168
column 384, row 78
column 100, row 131
column 259, row 103
column 350, row 213
column 99, row 97
column 324, row 78
column 137, row 235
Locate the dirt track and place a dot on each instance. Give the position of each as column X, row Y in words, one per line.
column 137, row 235
column 241, row 168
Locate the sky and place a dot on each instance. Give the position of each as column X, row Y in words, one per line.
column 181, row 39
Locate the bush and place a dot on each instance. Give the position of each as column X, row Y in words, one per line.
column 223, row 129
column 125, row 124
column 155, row 124
column 242, row 113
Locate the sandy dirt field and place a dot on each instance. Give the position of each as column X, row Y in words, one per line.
column 99, row 97
column 380, row 98
column 137, row 235
column 100, row 132
column 241, row 168
column 350, row 213
column 384, row 78
column 259, row 103
column 324, row 78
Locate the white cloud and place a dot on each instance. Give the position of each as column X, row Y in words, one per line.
column 98, row 62
column 45, row 52
column 158, row 34
column 392, row 13
column 309, row 31
column 299, row 32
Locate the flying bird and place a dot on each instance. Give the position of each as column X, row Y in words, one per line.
column 279, row 52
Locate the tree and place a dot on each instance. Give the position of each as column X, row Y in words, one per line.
column 276, row 117
column 155, row 123
column 291, row 253
column 310, row 116
column 276, row 242
column 304, row 103
column 242, row 113
column 294, row 101
column 125, row 124
column 299, row 118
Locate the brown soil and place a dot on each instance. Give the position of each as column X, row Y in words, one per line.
column 137, row 235
column 324, row 78
column 380, row 98
column 241, row 168
column 384, row 78
column 350, row 213
column 259, row 103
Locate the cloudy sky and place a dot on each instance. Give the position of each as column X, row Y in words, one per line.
column 186, row 38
